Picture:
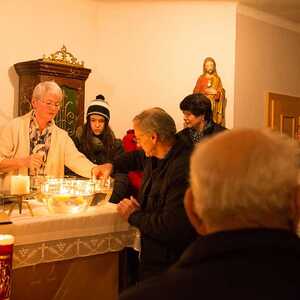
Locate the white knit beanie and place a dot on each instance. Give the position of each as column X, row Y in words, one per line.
column 99, row 107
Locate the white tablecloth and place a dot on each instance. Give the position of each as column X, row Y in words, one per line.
column 47, row 237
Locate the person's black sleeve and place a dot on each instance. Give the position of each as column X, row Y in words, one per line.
column 168, row 223
column 121, row 187
column 130, row 161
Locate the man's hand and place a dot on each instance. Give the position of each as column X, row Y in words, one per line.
column 104, row 171
column 34, row 162
column 127, row 206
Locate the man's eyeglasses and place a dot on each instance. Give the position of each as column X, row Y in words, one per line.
column 138, row 138
column 50, row 104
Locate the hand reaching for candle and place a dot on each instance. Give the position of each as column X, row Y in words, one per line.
column 103, row 170
column 127, row 206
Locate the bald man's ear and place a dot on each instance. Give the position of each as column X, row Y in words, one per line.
column 190, row 211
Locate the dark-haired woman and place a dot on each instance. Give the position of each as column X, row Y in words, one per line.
column 198, row 120
column 97, row 141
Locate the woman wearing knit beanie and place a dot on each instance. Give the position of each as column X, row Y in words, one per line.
column 97, row 141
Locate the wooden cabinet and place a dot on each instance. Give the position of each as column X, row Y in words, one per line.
column 70, row 77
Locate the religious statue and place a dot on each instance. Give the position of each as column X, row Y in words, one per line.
column 209, row 84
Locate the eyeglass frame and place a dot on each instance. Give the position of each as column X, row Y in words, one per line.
column 49, row 104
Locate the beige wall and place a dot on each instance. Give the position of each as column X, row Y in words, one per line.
column 151, row 53
column 142, row 53
column 29, row 29
column 267, row 60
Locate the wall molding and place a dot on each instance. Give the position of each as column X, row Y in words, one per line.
column 268, row 18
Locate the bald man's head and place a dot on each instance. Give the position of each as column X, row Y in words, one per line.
column 244, row 177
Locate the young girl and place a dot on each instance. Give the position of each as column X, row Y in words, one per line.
column 97, row 141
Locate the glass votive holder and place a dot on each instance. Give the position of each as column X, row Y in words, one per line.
column 103, row 190
column 67, row 196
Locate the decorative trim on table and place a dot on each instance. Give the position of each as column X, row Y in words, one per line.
column 49, row 251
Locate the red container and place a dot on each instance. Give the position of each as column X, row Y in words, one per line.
column 6, row 256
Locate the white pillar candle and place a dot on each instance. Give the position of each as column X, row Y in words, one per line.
column 6, row 239
column 20, row 185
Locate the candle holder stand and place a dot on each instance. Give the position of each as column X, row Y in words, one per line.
column 19, row 201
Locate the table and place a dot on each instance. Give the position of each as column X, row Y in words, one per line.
column 60, row 257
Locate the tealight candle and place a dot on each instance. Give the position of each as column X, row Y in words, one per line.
column 20, row 185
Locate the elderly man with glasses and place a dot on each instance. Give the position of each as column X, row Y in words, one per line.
column 33, row 145
column 158, row 212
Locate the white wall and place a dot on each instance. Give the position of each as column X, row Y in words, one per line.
column 29, row 29
column 142, row 53
column 151, row 53
column 267, row 60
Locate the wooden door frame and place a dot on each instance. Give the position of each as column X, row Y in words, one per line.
column 269, row 121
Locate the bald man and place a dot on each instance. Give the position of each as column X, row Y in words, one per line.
column 244, row 203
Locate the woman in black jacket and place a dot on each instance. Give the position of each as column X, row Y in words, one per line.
column 198, row 120
column 97, row 141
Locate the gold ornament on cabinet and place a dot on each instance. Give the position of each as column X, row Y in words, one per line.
column 64, row 57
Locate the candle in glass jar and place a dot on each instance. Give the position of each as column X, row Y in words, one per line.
column 19, row 185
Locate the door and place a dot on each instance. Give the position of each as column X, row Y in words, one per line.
column 284, row 114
